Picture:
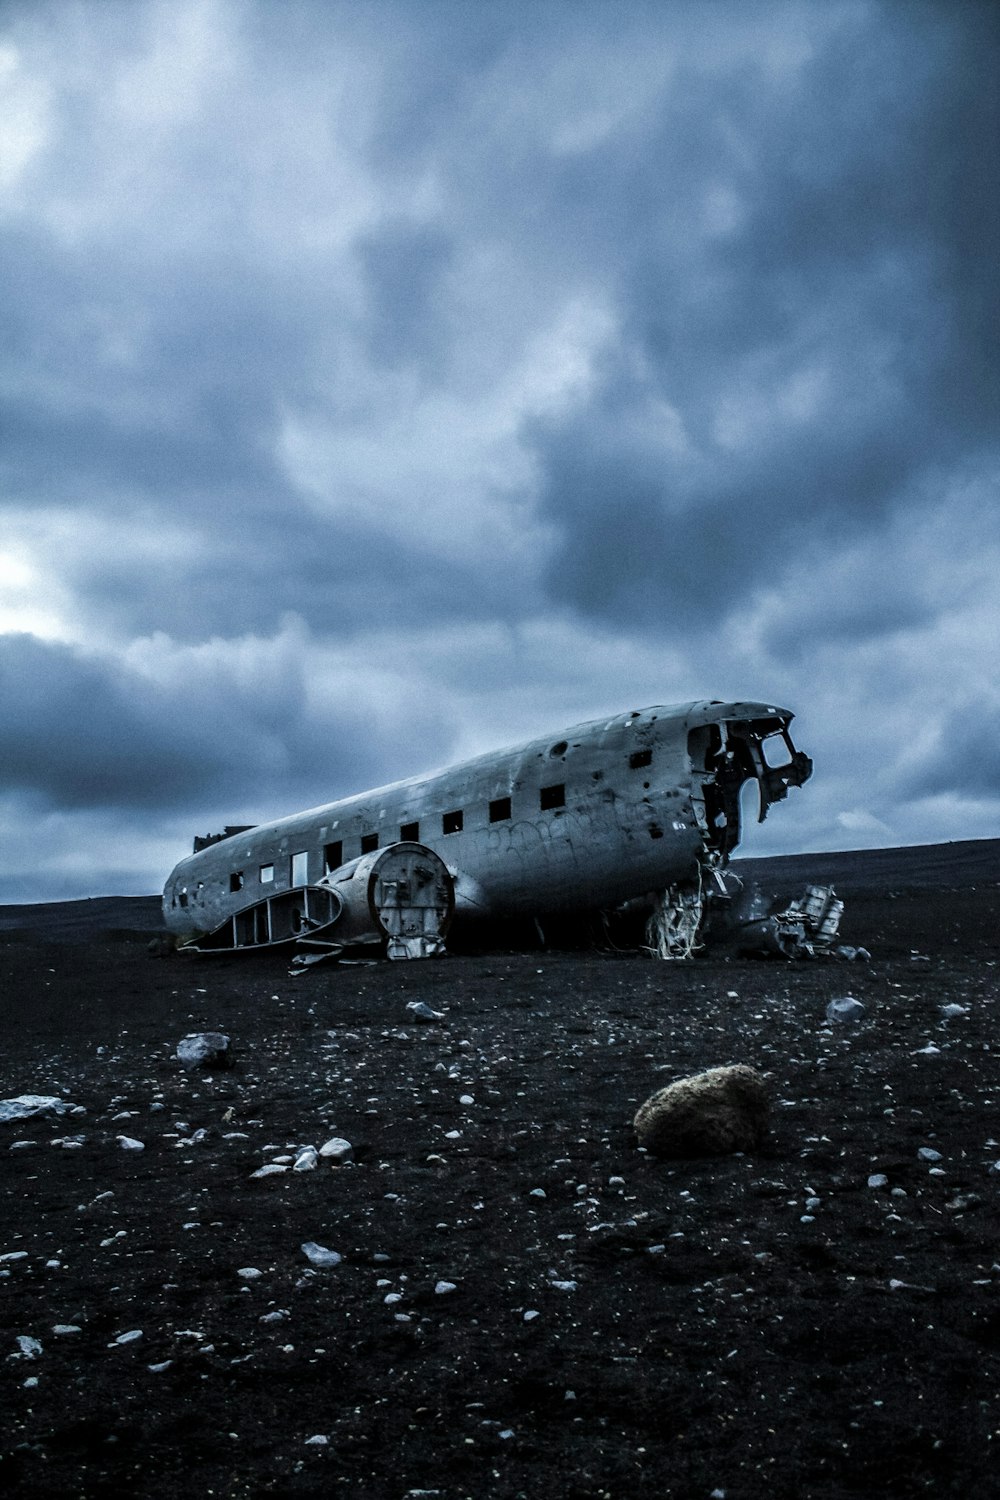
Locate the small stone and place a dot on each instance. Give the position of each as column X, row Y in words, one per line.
column 878, row 1180
column 336, row 1150
column 927, row 1153
column 249, row 1273
column 442, row 1288
column 531, row 1315
column 391, row 1298
column 129, row 1143
column 64, row 1328
column 205, row 1049
column 29, row 1347
column 466, row 1099
column 306, row 1160
column 563, row 1286
column 271, row 1170
column 420, row 1011
column 319, row 1256
column 844, row 1009
column 126, row 1338
column 537, row 1193
column 13, row 1255
column 318, row 1440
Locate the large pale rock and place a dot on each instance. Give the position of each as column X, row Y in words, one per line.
column 709, row 1114
column 205, row 1049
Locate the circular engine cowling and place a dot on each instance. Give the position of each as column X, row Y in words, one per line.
column 402, row 894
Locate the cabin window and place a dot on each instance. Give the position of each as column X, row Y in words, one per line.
column 236, row 880
column 775, row 752
column 409, row 833
column 640, row 758
column 300, row 868
column 369, row 843
column 559, row 749
column 452, row 822
column 500, row 810
column 266, row 874
column 553, row 796
column 183, row 898
column 333, row 856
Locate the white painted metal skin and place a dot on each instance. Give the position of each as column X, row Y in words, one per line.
column 581, row 820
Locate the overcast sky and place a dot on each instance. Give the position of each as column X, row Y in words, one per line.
column 383, row 383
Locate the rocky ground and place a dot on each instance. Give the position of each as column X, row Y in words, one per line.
column 526, row 1303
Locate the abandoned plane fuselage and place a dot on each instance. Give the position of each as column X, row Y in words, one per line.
column 602, row 814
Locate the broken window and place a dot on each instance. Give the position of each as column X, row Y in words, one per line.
column 640, row 758
column 236, row 880
column 452, row 822
column 775, row 751
column 300, row 868
column 500, row 810
column 369, row 843
column 266, row 874
column 333, row 856
column 552, row 796
column 409, row 833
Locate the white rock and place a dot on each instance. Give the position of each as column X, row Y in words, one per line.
column 531, row 1315
column 391, row 1298
column 336, row 1150
column 442, row 1288
column 563, row 1286
column 13, row 1255
column 249, row 1273
column 878, row 1180
column 318, row 1440
column 29, row 1347
column 126, row 1338
column 319, row 1255
column 927, row 1153
column 271, row 1170
column 128, row 1143
column 466, row 1099
column 26, row 1106
column 306, row 1160
column 62, row 1328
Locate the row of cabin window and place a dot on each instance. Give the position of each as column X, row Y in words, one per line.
column 549, row 799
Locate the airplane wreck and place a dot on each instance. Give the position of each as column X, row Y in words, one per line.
column 639, row 811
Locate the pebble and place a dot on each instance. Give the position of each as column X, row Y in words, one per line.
column 466, row 1099
column 29, row 1347
column 270, row 1170
column 336, row 1150
column 318, row 1440
column 306, row 1160
column 442, row 1288
column 531, row 1314
column 927, row 1153
column 537, row 1193
column 126, row 1338
column 249, row 1273
column 129, row 1143
column 62, row 1328
column 319, row 1256
column 878, row 1180
column 14, row 1255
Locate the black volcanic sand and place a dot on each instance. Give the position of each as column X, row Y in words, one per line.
column 714, row 1331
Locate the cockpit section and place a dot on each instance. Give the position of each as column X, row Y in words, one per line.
column 727, row 753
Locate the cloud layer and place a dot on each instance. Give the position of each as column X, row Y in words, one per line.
column 386, row 382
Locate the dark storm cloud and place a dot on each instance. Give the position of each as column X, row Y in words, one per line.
column 867, row 244
column 84, row 731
